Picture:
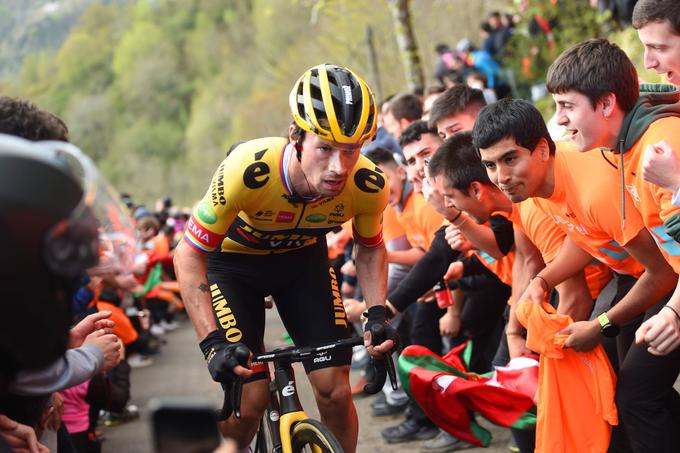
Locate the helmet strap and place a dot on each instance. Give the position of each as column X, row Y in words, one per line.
column 298, row 151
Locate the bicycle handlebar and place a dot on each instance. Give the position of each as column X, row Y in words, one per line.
column 383, row 368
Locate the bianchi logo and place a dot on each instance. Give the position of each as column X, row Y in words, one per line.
column 348, row 94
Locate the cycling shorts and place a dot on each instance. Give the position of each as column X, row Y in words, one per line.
column 306, row 294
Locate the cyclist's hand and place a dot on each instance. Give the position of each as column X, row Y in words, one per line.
column 379, row 336
column 225, row 360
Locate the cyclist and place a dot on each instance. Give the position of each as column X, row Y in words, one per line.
column 260, row 230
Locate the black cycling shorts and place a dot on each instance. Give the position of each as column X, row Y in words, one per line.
column 306, row 294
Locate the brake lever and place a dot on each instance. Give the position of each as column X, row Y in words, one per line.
column 235, row 397
column 391, row 371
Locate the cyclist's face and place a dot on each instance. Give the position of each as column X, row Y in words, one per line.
column 662, row 49
column 463, row 121
column 327, row 164
column 515, row 170
column 587, row 127
column 415, row 154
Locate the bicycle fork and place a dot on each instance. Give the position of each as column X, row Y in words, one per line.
column 290, row 408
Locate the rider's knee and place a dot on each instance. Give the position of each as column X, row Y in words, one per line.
column 334, row 394
column 254, row 401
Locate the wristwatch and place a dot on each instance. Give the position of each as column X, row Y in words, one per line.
column 608, row 328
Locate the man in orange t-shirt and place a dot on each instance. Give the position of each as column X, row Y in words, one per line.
column 622, row 119
column 575, row 190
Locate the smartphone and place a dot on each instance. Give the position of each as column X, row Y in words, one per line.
column 183, row 425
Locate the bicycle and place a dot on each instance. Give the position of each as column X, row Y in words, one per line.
column 285, row 427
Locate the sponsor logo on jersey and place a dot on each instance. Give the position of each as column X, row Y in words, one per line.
column 264, row 216
column 204, row 236
column 338, row 214
column 322, row 202
column 206, row 213
column 285, row 217
column 249, row 236
column 338, row 307
column 255, row 174
column 217, row 188
column 368, row 180
column 225, row 316
column 315, row 218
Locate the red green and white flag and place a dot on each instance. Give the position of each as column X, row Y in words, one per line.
column 449, row 394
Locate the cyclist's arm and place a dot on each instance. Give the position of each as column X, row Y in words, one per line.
column 191, row 270
column 371, row 264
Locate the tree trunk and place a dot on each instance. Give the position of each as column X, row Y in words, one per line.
column 373, row 64
column 408, row 49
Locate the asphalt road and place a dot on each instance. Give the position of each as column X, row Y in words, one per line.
column 180, row 372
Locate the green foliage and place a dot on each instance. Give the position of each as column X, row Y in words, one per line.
column 157, row 90
column 531, row 50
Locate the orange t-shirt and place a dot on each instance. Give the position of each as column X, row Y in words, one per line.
column 392, row 229
column 587, row 207
column 548, row 238
column 502, row 268
column 575, row 408
column 419, row 220
column 123, row 328
column 654, row 202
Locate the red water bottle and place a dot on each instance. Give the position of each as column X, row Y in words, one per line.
column 443, row 294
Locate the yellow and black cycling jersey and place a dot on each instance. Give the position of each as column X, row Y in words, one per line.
column 250, row 207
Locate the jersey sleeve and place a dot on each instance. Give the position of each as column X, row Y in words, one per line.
column 371, row 193
column 218, row 208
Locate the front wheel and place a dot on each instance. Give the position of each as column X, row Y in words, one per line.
column 311, row 436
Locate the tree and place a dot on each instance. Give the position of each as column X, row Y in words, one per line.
column 408, row 49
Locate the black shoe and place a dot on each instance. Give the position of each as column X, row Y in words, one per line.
column 386, row 409
column 379, row 400
column 409, row 429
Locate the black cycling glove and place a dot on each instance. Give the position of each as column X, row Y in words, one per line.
column 380, row 329
column 223, row 357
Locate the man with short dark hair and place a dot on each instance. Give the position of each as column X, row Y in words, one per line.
column 401, row 111
column 24, row 119
column 455, row 110
column 658, row 26
column 575, row 190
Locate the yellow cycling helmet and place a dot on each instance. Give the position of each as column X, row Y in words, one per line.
column 332, row 102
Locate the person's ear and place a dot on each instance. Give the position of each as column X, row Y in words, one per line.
column 608, row 102
column 292, row 136
column 475, row 190
column 544, row 149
